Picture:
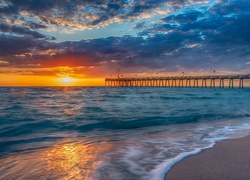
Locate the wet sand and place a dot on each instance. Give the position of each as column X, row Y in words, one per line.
column 227, row 160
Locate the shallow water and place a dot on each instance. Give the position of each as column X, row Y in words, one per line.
column 112, row 133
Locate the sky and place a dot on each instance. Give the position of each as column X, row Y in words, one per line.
column 81, row 42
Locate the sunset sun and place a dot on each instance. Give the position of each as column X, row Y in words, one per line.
column 66, row 80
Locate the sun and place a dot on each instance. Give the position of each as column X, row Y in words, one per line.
column 67, row 80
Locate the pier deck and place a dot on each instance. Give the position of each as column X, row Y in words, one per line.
column 178, row 81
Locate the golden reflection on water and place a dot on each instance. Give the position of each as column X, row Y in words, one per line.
column 75, row 161
column 65, row 160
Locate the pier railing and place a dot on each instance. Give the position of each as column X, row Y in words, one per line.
column 178, row 81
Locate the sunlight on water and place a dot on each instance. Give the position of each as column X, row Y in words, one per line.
column 65, row 160
column 75, row 160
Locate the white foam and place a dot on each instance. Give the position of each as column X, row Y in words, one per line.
column 151, row 156
column 228, row 132
column 161, row 169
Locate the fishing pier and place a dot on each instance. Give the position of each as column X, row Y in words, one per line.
column 213, row 81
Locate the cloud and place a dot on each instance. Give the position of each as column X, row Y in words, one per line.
column 34, row 25
column 139, row 25
column 3, row 63
column 16, row 45
column 84, row 14
column 207, row 37
column 11, row 45
column 230, row 7
column 7, row 28
column 189, row 16
column 8, row 10
column 26, row 31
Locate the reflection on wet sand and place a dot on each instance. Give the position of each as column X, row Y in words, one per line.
column 65, row 160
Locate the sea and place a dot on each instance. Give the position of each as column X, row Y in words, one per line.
column 105, row 133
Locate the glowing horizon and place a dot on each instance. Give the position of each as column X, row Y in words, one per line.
column 41, row 41
column 25, row 80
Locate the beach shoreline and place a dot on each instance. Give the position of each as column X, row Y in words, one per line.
column 228, row 159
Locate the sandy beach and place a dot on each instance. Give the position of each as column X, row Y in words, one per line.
column 228, row 159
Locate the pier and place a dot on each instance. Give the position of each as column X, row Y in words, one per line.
column 179, row 81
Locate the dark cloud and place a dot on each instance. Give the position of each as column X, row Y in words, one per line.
column 235, row 31
column 8, row 10
column 34, row 25
column 172, row 51
column 26, row 31
column 113, row 6
column 209, row 27
column 12, row 45
column 230, row 7
column 207, row 38
column 90, row 13
column 102, row 18
column 140, row 7
column 140, row 25
column 37, row 6
column 5, row 27
column 189, row 16
column 229, row 30
column 21, row 31
column 18, row 45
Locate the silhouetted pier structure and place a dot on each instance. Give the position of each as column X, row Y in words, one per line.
column 178, row 81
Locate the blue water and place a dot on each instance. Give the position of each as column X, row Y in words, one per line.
column 112, row 133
